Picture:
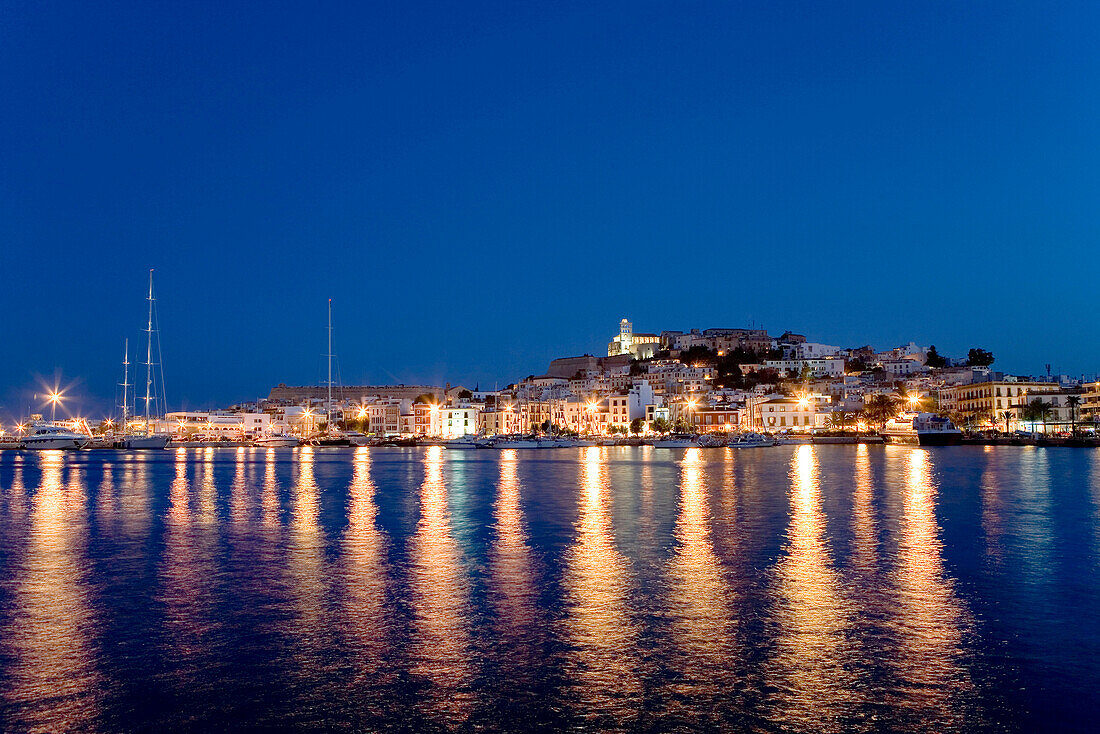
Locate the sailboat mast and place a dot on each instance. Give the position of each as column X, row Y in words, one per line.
column 149, row 353
column 125, row 381
column 328, row 405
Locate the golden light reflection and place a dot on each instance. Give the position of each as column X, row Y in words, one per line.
column 440, row 593
column 993, row 509
column 511, row 579
column 53, row 675
column 864, row 527
column 365, row 576
column 305, row 552
column 207, row 490
column 598, row 581
column 813, row 661
column 929, row 619
column 700, row 597
column 238, row 490
column 269, row 499
column 187, row 573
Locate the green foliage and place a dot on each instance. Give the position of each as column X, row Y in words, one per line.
column 426, row 397
column 881, row 408
column 698, row 355
column 661, row 425
column 637, row 425
column 934, row 360
column 465, row 394
column 979, row 358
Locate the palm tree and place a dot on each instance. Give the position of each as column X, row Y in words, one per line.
column 839, row 420
column 1074, row 402
column 881, row 408
column 1007, row 416
column 1037, row 409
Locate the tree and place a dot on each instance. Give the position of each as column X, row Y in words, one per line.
column 856, row 364
column 425, row 397
column 1037, row 409
column 881, row 408
column 698, row 355
column 661, row 425
column 839, row 420
column 637, row 425
column 1073, row 402
column 464, row 394
column 934, row 360
column 979, row 358
column 1007, row 416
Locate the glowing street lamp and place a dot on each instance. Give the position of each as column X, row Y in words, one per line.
column 54, row 398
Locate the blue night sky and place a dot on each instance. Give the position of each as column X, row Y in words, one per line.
column 480, row 187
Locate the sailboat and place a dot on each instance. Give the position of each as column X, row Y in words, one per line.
column 148, row 440
column 331, row 436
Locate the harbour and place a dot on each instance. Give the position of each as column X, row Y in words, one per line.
column 800, row 588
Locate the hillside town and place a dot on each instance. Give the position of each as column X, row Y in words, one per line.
column 717, row 380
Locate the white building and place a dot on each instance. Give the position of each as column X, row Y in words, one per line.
column 459, row 421
column 824, row 367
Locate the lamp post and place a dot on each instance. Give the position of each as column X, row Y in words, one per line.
column 54, row 398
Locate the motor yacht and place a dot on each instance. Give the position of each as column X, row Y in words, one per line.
column 50, row 436
column 921, row 429
column 276, row 441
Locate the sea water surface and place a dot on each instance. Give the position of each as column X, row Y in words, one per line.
column 797, row 588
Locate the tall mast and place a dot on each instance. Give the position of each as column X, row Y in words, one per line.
column 125, row 382
column 149, row 354
column 328, row 406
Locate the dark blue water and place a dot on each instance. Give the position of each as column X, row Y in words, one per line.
column 827, row 588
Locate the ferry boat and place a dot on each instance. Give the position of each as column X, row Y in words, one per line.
column 50, row 436
column 921, row 429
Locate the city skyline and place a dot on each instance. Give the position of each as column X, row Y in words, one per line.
column 483, row 189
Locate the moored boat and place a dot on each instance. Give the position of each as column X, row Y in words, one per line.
column 276, row 441
column 921, row 429
column 676, row 441
column 49, row 436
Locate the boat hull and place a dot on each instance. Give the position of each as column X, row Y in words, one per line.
column 54, row 444
column 923, row 439
column 144, row 443
column 277, row 443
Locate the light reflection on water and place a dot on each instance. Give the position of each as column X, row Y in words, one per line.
column 802, row 588
column 55, row 677
column 440, row 591
column 813, row 661
column 598, row 580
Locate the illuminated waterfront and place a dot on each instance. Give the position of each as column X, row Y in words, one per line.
column 798, row 588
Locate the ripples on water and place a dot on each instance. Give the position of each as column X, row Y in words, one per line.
column 802, row 588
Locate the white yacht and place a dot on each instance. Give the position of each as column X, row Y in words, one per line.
column 466, row 442
column 277, row 441
column 750, row 441
column 149, row 441
column 517, row 442
column 676, row 441
column 922, row 429
column 50, row 436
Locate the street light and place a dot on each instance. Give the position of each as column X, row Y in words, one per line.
column 54, row 398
